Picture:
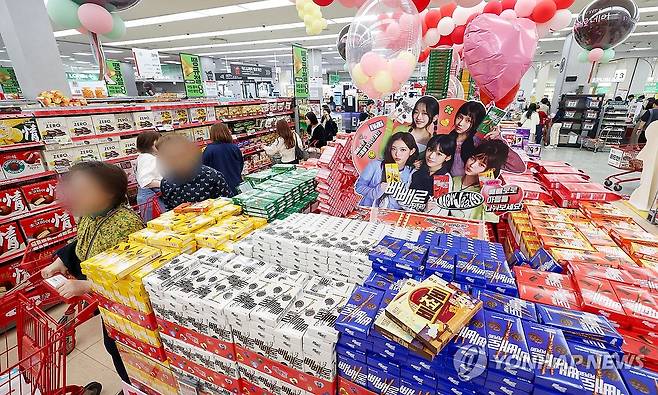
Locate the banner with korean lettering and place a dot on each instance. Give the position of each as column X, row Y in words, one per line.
column 8, row 80
column 116, row 86
column 192, row 75
column 300, row 71
column 436, row 156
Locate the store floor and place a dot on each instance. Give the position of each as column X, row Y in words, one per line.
column 88, row 362
column 593, row 163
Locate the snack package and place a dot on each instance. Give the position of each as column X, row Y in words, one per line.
column 21, row 163
column 47, row 224
column 12, row 202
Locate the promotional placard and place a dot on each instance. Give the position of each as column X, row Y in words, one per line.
column 8, row 80
column 251, row 71
column 116, row 85
column 147, row 62
column 300, row 71
column 192, row 75
column 433, row 157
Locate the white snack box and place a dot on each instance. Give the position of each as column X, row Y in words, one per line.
column 125, row 122
column 110, row 151
column 80, row 126
column 104, row 123
column 54, row 130
column 85, row 153
column 128, row 146
column 59, row 160
column 144, row 120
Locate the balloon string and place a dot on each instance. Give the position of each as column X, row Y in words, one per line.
column 591, row 73
column 103, row 74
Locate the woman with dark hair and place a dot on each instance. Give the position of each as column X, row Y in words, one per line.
column 468, row 118
column 96, row 193
column 329, row 125
column 438, row 161
column 401, row 152
column 489, row 155
column 424, row 118
column 224, row 156
column 147, row 173
column 531, row 120
column 316, row 131
column 285, row 143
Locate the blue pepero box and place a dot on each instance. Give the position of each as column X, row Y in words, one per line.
column 469, row 269
column 440, row 262
column 378, row 280
column 543, row 261
column 410, row 387
column 355, row 343
column 385, row 250
column 517, row 259
column 351, row 353
column 510, row 305
column 500, row 278
column 497, row 378
column 411, row 256
column 380, row 362
column 419, row 380
column 382, row 382
column 639, row 381
column 552, row 359
column 354, row 371
column 358, row 314
column 507, row 350
column 598, row 374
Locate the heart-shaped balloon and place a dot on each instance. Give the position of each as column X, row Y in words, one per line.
column 498, row 52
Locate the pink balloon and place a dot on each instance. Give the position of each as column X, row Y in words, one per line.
column 401, row 70
column 347, row 3
column 498, row 52
column 392, row 3
column 82, row 30
column 408, row 22
column 508, row 14
column 595, row 55
column 392, row 34
column 95, row 18
column 371, row 63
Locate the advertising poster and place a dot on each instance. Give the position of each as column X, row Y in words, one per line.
column 8, row 80
column 300, row 71
column 192, row 75
column 147, row 62
column 436, row 157
column 116, row 85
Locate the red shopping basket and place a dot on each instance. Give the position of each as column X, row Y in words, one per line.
column 36, row 363
column 150, row 209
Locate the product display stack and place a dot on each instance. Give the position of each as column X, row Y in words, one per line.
column 278, row 192
column 118, row 274
column 336, row 177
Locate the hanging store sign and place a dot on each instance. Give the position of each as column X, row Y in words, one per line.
column 147, row 62
column 8, row 80
column 192, row 75
column 251, row 71
column 116, row 86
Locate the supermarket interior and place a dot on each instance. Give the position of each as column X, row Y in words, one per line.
column 328, row 197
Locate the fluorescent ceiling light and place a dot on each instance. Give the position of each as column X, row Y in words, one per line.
column 640, row 49
column 259, row 57
column 82, row 53
column 252, row 51
column 190, row 15
column 82, row 61
column 644, row 34
column 274, row 40
column 5, row 60
column 553, row 39
column 112, row 51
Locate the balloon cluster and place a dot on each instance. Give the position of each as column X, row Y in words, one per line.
column 311, row 15
column 382, row 45
column 445, row 26
column 594, row 55
column 90, row 16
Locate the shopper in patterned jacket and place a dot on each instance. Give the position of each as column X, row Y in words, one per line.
column 185, row 179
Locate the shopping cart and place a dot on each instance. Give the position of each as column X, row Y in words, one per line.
column 36, row 363
column 150, row 209
column 623, row 157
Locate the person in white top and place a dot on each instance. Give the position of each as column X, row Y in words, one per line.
column 147, row 174
column 285, row 143
column 530, row 120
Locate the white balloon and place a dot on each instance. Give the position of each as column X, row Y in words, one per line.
column 543, row 29
column 432, row 37
column 523, row 8
column 508, row 14
column 461, row 14
column 560, row 20
column 446, row 26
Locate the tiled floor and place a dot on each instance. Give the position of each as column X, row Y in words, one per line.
column 88, row 362
column 594, row 164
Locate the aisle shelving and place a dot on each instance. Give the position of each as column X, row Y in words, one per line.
column 581, row 118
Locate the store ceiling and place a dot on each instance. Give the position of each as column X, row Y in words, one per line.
column 260, row 31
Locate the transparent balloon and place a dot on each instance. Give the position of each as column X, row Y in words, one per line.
column 455, row 88
column 383, row 45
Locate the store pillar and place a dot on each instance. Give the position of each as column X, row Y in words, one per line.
column 572, row 76
column 28, row 36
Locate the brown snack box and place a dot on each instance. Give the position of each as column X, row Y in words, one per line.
column 47, row 224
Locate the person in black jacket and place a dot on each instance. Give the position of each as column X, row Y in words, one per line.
column 224, row 156
column 316, row 131
column 328, row 123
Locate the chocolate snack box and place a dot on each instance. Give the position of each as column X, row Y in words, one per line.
column 354, row 371
column 386, row 250
column 382, row 382
column 549, row 296
column 469, row 269
column 411, row 256
column 640, row 381
column 585, row 270
column 551, row 358
column 543, row 261
column 598, row 297
column 640, row 348
column 566, row 255
column 509, row 305
column 433, row 311
column 495, row 379
column 506, row 346
column 40, row 194
column 598, row 374
column 359, row 313
column 468, row 346
column 527, row 276
column 579, row 325
column 440, row 262
column 639, row 306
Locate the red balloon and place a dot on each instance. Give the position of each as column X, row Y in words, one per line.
column 494, row 7
column 457, row 35
column 420, row 4
column 564, row 4
column 433, row 17
column 444, row 40
column 508, row 4
column 448, row 9
column 323, row 3
column 424, row 54
column 544, row 11
column 424, row 26
column 506, row 100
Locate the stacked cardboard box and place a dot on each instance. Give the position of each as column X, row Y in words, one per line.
column 336, row 177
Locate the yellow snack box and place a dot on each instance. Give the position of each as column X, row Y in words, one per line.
column 166, row 222
column 141, row 235
column 194, row 224
column 212, row 237
column 167, row 238
column 199, row 207
column 225, row 211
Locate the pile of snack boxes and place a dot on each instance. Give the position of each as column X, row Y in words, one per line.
column 336, row 177
column 250, row 110
column 278, row 192
column 411, row 331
